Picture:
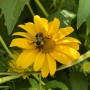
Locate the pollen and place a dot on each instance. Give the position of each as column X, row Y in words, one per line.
column 48, row 45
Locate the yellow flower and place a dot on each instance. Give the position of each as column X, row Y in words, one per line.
column 86, row 67
column 14, row 68
column 13, row 65
column 44, row 44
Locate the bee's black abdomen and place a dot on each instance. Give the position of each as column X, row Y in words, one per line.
column 38, row 43
column 39, row 39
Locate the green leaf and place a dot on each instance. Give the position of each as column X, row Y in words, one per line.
column 62, row 76
column 34, row 83
column 55, row 84
column 64, row 16
column 70, row 5
column 12, row 10
column 21, row 84
column 83, row 11
column 54, row 3
column 78, row 81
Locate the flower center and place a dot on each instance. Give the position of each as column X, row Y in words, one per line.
column 44, row 44
column 48, row 45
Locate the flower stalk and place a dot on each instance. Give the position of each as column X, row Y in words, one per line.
column 40, row 82
column 6, row 48
column 30, row 9
column 61, row 4
column 41, row 7
column 8, row 78
column 36, row 77
column 86, row 39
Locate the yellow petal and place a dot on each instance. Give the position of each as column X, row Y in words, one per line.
column 39, row 61
column 68, row 39
column 30, row 28
column 14, row 67
column 45, row 22
column 60, row 57
column 29, row 59
column 23, row 56
column 22, row 43
column 39, row 24
column 63, row 32
column 45, row 69
column 52, row 64
column 12, row 63
column 24, row 34
column 70, row 52
column 54, row 26
column 70, row 44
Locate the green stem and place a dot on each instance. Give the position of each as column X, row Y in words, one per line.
column 40, row 82
column 61, row 4
column 13, row 85
column 6, row 48
column 37, row 78
column 87, row 32
column 6, row 73
column 41, row 7
column 8, row 78
column 30, row 9
column 4, row 87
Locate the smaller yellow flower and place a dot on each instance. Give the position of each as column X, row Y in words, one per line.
column 14, row 68
column 86, row 67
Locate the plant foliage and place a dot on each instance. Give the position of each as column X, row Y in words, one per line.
column 75, row 13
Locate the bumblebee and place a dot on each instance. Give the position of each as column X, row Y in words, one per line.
column 39, row 39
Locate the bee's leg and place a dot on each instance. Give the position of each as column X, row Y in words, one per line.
column 31, row 43
column 45, row 38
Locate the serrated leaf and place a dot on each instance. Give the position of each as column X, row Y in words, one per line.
column 12, row 10
column 78, row 81
column 83, row 11
column 56, row 84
